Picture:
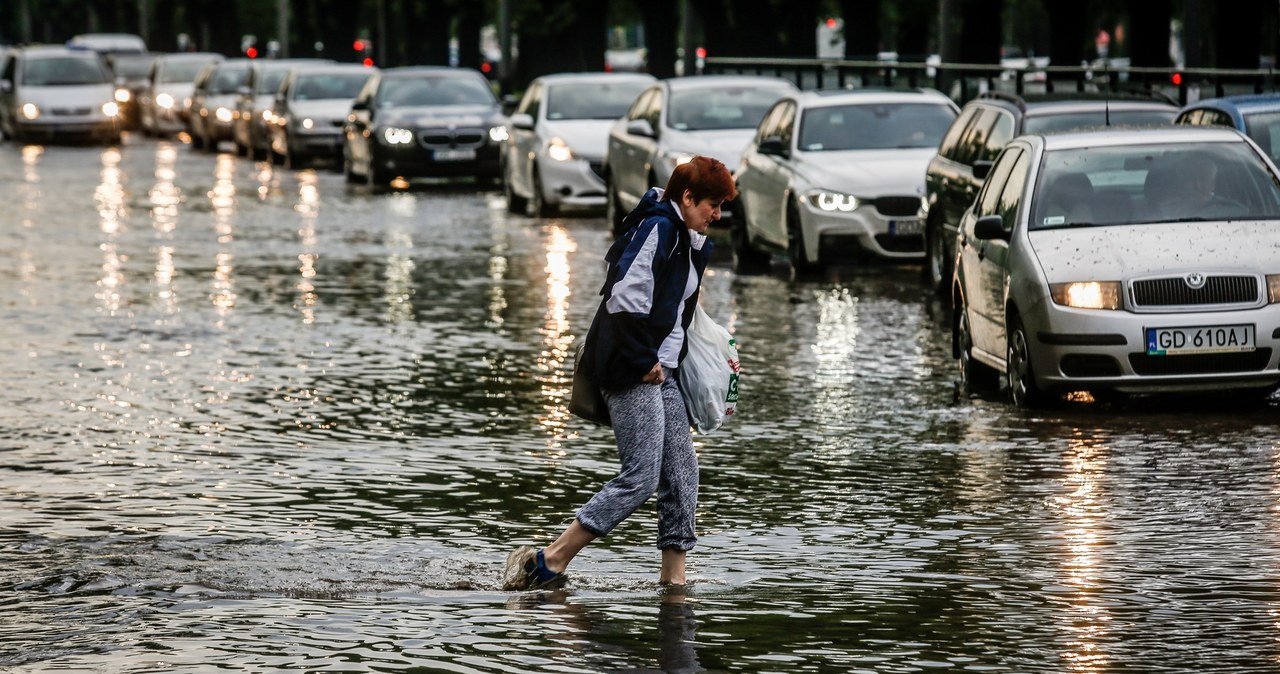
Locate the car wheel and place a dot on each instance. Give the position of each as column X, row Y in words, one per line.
column 515, row 203
column 937, row 266
column 197, row 138
column 613, row 213
column 1019, row 376
column 375, row 179
column 746, row 258
column 538, row 202
column 801, row 265
column 973, row 375
column 347, row 173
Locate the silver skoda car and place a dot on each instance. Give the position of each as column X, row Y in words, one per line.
column 1122, row 261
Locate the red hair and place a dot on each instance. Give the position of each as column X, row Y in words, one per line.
column 704, row 177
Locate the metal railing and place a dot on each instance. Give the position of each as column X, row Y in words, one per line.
column 963, row 81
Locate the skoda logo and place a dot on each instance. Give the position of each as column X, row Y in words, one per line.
column 1194, row 280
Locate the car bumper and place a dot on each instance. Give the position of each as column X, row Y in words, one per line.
column 572, row 183
column 316, row 144
column 77, row 129
column 414, row 161
column 168, row 120
column 831, row 236
column 1081, row 349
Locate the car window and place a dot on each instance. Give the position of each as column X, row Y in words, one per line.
column 532, row 101
column 226, row 80
column 1084, row 120
column 706, row 109
column 653, row 109
column 769, row 128
column 988, row 202
column 1264, row 129
column 434, row 91
column 641, row 105
column 62, row 71
column 975, row 138
column 181, row 71
column 1205, row 117
column 1002, row 131
column 949, row 147
column 269, row 80
column 1205, row 181
column 787, row 122
column 598, row 100
column 874, row 127
column 1011, row 194
column 328, row 86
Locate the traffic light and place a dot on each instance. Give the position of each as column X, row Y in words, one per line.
column 364, row 51
column 249, row 46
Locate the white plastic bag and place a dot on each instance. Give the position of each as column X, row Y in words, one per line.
column 709, row 373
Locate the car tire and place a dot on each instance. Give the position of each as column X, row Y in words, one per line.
column 613, row 213
column 1019, row 376
column 974, row 376
column 347, row 173
column 801, row 265
column 375, row 179
column 197, row 138
column 937, row 266
column 538, row 206
column 515, row 203
column 747, row 259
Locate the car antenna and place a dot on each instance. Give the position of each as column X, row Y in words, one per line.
column 1106, row 102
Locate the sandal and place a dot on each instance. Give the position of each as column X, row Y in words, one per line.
column 527, row 570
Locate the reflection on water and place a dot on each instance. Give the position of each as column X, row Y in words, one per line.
column 301, row 431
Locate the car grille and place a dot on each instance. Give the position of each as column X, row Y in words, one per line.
column 446, row 138
column 1174, row 291
column 898, row 206
column 1204, row 363
column 904, row 243
column 79, row 112
column 1089, row 365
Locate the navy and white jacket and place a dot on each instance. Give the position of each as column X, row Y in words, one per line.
column 649, row 294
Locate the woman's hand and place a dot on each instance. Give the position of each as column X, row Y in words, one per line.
column 655, row 375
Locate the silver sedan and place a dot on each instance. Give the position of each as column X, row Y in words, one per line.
column 1130, row 261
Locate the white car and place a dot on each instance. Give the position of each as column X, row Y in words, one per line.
column 310, row 108
column 56, row 93
column 834, row 174
column 165, row 102
column 674, row 119
column 1122, row 261
column 554, row 155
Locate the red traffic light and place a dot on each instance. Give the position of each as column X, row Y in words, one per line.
column 368, row 62
column 358, row 45
column 1176, row 78
column 251, row 52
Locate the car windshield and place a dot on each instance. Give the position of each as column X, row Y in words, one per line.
column 707, row 109
column 433, row 91
column 63, row 71
column 874, row 127
column 131, row 65
column 181, row 71
column 1264, row 129
column 1180, row 182
column 322, row 86
column 1071, row 121
column 597, row 100
column 227, row 80
column 269, row 80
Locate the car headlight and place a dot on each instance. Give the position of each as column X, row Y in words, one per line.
column 122, row 95
column 498, row 134
column 1273, row 288
column 832, row 201
column 1087, row 294
column 110, row 108
column 223, row 115
column 267, row 115
column 30, row 111
column 308, row 123
column 396, row 136
column 165, row 101
column 559, row 150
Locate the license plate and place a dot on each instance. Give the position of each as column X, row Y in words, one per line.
column 904, row 227
column 454, row 155
column 1206, row 339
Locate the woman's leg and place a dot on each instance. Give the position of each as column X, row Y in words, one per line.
column 677, row 486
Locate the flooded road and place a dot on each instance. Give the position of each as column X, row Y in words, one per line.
column 256, row 420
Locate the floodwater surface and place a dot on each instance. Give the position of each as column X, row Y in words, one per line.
column 258, row 420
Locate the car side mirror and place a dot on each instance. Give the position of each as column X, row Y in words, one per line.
column 772, row 146
column 990, row 227
column 982, row 168
column 522, row 121
column 640, row 127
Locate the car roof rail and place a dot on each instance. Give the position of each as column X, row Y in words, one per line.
column 1006, row 97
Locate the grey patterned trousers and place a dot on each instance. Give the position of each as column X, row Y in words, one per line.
column 656, row 451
